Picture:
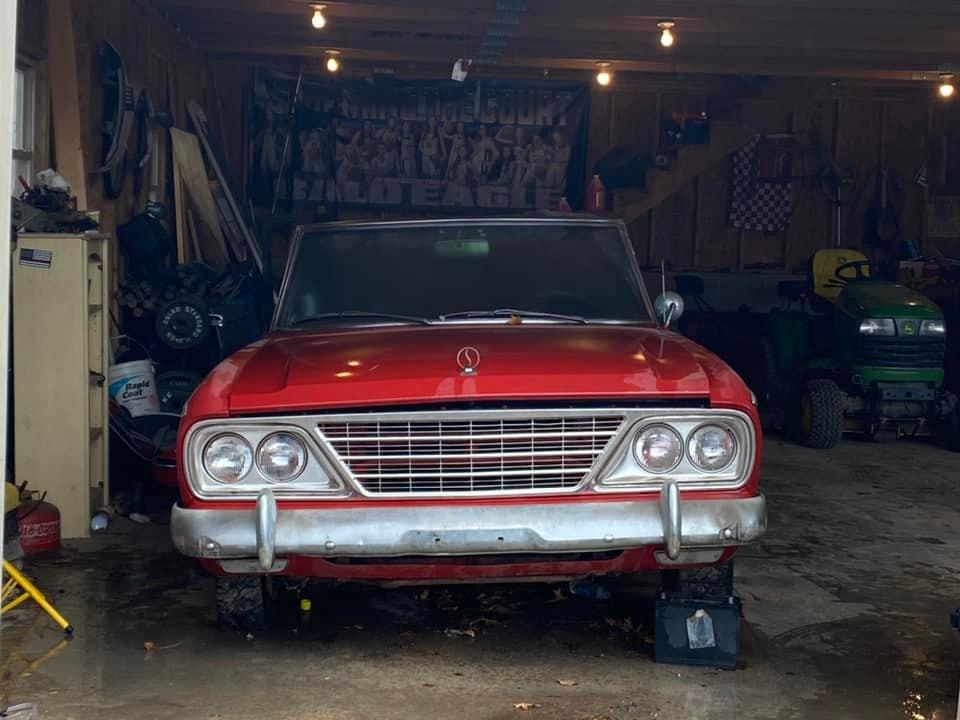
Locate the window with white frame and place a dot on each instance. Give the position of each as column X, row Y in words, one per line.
column 23, row 128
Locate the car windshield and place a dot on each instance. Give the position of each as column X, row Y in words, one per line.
column 547, row 272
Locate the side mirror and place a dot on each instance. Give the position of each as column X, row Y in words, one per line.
column 669, row 307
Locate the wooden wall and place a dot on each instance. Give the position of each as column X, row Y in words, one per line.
column 862, row 130
column 157, row 58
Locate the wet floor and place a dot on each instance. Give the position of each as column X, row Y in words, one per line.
column 846, row 607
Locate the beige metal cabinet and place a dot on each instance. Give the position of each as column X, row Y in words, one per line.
column 61, row 358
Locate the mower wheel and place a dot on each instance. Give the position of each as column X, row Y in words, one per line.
column 821, row 414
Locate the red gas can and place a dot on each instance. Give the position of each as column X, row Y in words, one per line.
column 39, row 524
column 596, row 198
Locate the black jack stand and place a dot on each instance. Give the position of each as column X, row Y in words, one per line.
column 690, row 630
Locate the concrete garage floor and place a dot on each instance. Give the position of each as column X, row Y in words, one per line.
column 846, row 603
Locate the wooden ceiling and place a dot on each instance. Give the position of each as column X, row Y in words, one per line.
column 905, row 40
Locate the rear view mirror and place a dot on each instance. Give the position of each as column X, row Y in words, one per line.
column 669, row 307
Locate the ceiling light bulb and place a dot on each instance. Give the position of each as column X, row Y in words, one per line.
column 333, row 63
column 666, row 33
column 318, row 20
column 946, row 88
column 603, row 74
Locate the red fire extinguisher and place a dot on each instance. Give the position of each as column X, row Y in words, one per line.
column 596, row 200
column 39, row 524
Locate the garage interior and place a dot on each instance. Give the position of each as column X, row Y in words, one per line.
column 735, row 140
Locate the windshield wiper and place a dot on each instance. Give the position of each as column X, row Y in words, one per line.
column 320, row 317
column 510, row 312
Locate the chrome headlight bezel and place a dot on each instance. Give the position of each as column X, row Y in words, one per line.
column 620, row 470
column 318, row 478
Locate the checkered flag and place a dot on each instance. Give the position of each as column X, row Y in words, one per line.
column 757, row 205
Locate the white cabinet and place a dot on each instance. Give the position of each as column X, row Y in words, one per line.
column 61, row 358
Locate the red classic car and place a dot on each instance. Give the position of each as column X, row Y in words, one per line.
column 465, row 400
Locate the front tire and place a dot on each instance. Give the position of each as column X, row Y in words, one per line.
column 241, row 603
column 821, row 414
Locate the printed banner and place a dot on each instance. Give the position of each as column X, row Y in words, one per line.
column 432, row 146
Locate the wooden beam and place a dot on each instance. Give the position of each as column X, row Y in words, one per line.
column 179, row 215
column 189, row 160
column 536, row 38
column 787, row 64
column 65, row 98
column 866, row 12
column 697, row 222
column 640, row 28
column 923, row 54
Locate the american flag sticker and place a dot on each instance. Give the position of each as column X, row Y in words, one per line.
column 36, row 258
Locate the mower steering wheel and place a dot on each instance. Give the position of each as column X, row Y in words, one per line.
column 857, row 265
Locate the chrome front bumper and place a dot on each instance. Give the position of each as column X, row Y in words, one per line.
column 269, row 533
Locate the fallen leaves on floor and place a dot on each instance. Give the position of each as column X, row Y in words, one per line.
column 566, row 683
column 453, row 632
column 485, row 621
column 151, row 646
column 558, row 595
column 527, row 706
column 624, row 624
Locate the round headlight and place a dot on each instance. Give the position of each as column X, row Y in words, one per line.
column 712, row 447
column 281, row 457
column 227, row 458
column 658, row 449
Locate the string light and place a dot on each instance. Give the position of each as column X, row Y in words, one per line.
column 333, row 61
column 318, row 20
column 666, row 32
column 604, row 76
column 946, row 88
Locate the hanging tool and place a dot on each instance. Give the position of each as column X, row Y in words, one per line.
column 286, row 142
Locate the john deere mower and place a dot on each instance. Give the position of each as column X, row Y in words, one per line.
column 850, row 352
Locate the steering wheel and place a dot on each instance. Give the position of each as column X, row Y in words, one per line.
column 859, row 268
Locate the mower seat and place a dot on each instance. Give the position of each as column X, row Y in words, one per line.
column 823, row 269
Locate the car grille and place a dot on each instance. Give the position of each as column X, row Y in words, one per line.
column 898, row 352
column 465, row 456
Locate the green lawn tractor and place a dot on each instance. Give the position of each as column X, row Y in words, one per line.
column 850, row 352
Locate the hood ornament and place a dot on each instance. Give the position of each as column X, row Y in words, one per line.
column 468, row 358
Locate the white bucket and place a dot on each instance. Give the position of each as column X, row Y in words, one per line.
column 133, row 385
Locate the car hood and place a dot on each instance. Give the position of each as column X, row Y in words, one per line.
column 297, row 371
